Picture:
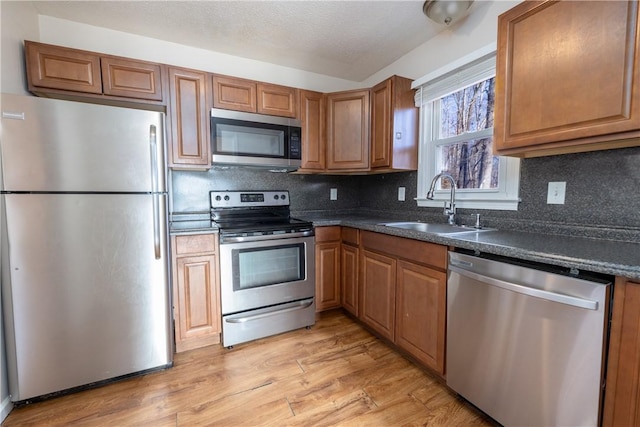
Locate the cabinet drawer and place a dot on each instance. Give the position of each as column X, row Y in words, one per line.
column 195, row 243
column 350, row 235
column 414, row 250
column 327, row 234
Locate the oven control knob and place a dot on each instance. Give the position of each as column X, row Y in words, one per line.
column 283, row 197
column 218, row 198
column 226, row 198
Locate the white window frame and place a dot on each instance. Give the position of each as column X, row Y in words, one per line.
column 471, row 69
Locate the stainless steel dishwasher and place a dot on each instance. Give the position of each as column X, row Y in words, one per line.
column 525, row 345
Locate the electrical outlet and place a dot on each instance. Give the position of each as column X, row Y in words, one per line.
column 333, row 195
column 401, row 191
column 556, row 192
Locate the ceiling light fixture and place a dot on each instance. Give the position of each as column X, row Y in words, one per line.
column 445, row 11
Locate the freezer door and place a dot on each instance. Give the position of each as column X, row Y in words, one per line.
column 87, row 299
column 63, row 146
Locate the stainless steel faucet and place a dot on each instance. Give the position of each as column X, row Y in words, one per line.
column 449, row 210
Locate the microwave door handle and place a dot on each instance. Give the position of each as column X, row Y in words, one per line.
column 153, row 146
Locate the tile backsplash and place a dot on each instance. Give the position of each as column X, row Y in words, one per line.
column 603, row 190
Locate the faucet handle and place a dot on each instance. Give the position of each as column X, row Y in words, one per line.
column 477, row 221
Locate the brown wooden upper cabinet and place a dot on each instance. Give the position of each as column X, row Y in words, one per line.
column 250, row 96
column 394, row 126
column 567, row 77
column 348, row 131
column 312, row 116
column 372, row 130
column 58, row 70
column 188, row 113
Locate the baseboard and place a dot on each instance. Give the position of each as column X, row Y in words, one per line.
column 5, row 408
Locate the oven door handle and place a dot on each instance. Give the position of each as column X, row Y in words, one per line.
column 300, row 305
column 241, row 239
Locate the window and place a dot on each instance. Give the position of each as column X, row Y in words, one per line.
column 456, row 116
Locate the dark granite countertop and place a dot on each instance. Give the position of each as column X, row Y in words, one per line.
column 618, row 258
column 191, row 223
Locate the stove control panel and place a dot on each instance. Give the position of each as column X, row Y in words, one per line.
column 237, row 199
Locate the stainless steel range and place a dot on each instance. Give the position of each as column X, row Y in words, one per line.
column 267, row 265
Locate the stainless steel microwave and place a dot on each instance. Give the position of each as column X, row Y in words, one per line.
column 259, row 140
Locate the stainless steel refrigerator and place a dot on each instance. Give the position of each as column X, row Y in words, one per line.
column 85, row 282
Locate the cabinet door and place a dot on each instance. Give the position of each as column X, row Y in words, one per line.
column 277, row 100
column 349, row 278
column 131, row 79
column 622, row 396
column 189, row 116
column 421, row 313
column 327, row 275
column 234, row 94
column 378, row 293
column 312, row 116
column 348, row 130
column 196, row 302
column 563, row 74
column 62, row 68
column 381, row 124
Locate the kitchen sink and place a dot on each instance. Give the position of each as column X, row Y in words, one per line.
column 427, row 227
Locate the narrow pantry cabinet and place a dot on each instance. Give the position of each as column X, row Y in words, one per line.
column 349, row 269
column 188, row 111
column 622, row 392
column 348, row 131
column 237, row 94
column 403, row 288
column 327, row 268
column 196, row 291
column 63, row 72
column 565, row 82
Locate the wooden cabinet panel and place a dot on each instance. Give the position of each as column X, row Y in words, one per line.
column 327, row 275
column 195, row 244
column 189, row 118
column 349, row 278
column 196, row 291
column 378, row 292
column 234, row 94
column 394, row 125
column 131, row 79
column 277, row 100
column 421, row 313
column 312, row 116
column 622, row 393
column 62, row 68
column 565, row 81
column 425, row 253
column 348, row 130
column 199, row 320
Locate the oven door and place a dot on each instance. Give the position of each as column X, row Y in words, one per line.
column 258, row 274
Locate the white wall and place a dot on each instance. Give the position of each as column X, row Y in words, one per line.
column 476, row 30
column 19, row 22
column 81, row 36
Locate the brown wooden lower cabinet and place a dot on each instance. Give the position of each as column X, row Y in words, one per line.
column 327, row 268
column 403, row 285
column 421, row 300
column 377, row 302
column 622, row 392
column 196, row 291
column 349, row 278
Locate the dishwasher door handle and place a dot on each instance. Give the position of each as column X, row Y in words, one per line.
column 526, row 290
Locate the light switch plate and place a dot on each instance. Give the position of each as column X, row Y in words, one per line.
column 556, row 192
column 401, row 191
column 333, row 195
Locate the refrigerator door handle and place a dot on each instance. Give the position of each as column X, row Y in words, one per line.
column 153, row 143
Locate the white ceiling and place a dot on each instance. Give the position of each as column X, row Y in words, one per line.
column 345, row 39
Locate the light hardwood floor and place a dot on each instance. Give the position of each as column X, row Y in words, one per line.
column 336, row 373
